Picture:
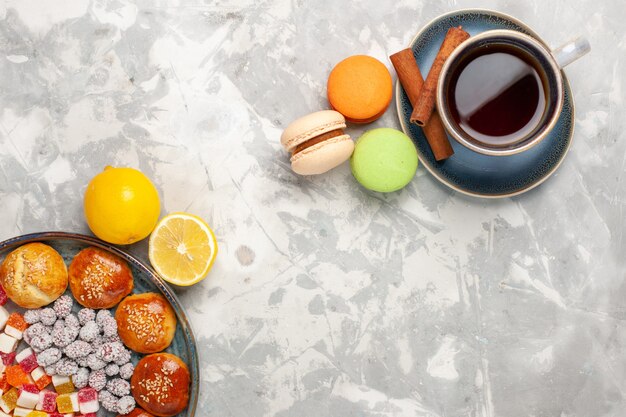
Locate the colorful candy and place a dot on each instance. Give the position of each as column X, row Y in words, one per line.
column 47, row 401
column 16, row 325
column 3, row 296
column 28, row 396
column 68, row 403
column 21, row 411
column 27, row 360
column 88, row 400
column 62, row 384
column 16, row 376
column 8, row 358
column 4, row 385
column 4, row 315
column 64, row 403
column 40, row 377
column 29, row 364
column 7, row 344
column 37, row 414
column 9, row 400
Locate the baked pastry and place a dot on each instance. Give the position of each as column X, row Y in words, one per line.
column 317, row 142
column 160, row 384
column 99, row 279
column 146, row 322
column 137, row 412
column 33, row 275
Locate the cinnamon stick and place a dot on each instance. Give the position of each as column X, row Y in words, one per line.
column 426, row 100
column 411, row 79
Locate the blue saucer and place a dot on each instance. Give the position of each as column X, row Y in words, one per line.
column 467, row 171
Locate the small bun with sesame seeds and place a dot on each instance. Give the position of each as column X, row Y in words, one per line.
column 160, row 384
column 33, row 275
column 99, row 279
column 146, row 322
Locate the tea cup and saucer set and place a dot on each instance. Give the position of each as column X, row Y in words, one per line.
column 504, row 101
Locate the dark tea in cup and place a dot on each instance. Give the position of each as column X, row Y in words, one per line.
column 497, row 94
column 501, row 92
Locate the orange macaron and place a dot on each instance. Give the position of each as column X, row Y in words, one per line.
column 360, row 88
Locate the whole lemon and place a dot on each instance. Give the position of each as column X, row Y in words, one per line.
column 121, row 205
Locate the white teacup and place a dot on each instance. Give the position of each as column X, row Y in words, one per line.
column 548, row 65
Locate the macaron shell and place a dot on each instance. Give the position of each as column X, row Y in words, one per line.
column 384, row 160
column 323, row 156
column 370, row 120
column 310, row 126
column 360, row 88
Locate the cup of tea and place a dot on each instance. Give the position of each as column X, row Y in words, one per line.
column 501, row 92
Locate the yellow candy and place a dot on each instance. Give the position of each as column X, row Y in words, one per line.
column 10, row 398
column 37, row 414
column 66, row 388
column 62, row 384
column 64, row 404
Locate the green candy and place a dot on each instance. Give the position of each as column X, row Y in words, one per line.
column 384, row 160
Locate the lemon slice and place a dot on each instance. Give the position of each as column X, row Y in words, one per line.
column 182, row 249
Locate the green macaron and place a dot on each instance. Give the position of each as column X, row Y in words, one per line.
column 384, row 160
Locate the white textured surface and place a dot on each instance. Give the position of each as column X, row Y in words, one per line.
column 327, row 300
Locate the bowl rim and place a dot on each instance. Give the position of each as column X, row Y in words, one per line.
column 181, row 314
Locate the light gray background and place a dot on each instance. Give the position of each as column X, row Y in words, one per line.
column 326, row 299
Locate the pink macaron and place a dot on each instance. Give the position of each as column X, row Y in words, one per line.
column 317, row 142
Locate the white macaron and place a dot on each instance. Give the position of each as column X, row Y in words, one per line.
column 317, row 142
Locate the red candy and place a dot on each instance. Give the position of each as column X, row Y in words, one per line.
column 3, row 296
column 29, row 364
column 4, row 385
column 48, row 401
column 87, row 394
column 30, row 388
column 8, row 358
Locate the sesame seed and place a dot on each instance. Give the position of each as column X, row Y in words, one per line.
column 145, row 321
column 157, row 387
column 97, row 277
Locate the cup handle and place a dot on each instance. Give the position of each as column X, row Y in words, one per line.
column 571, row 51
